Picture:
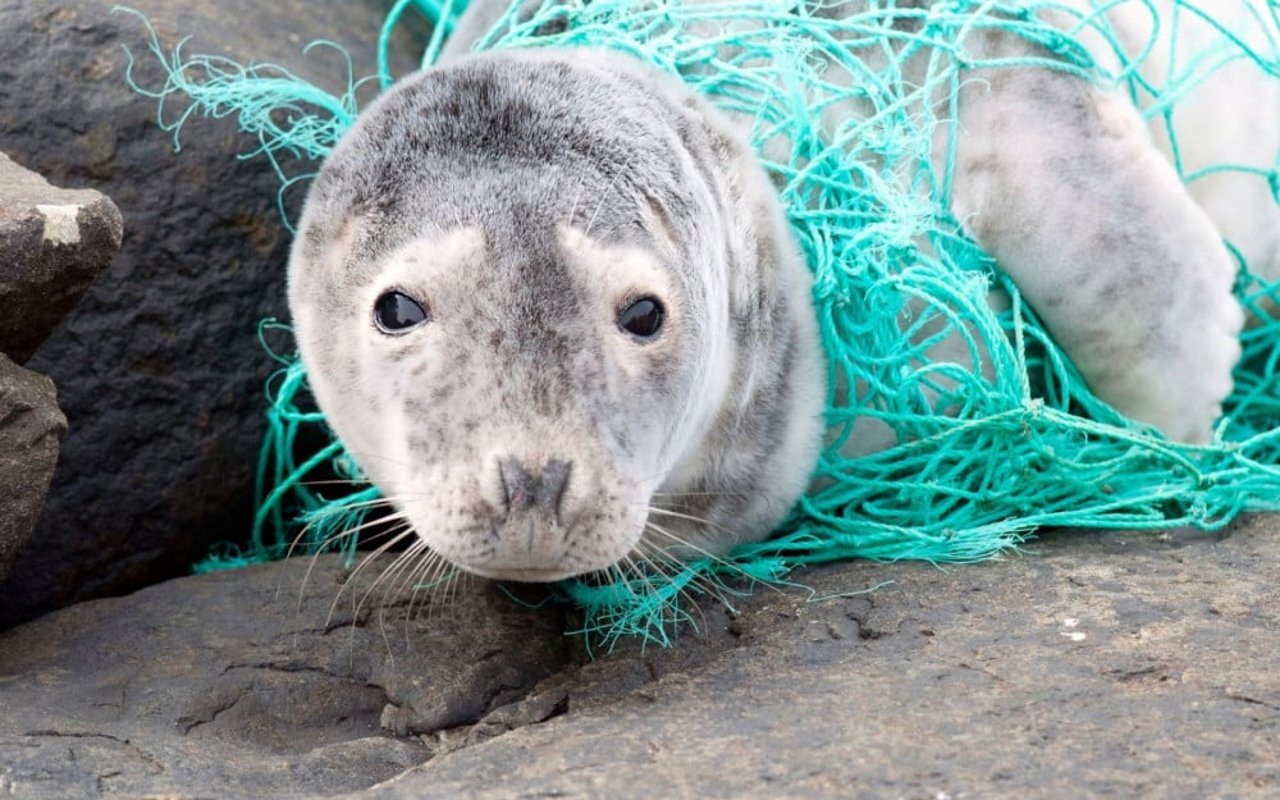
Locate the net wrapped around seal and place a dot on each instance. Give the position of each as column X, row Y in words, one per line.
column 990, row 446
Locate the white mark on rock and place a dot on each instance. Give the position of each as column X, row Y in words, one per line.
column 60, row 224
column 1075, row 636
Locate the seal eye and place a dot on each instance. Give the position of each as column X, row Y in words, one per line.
column 396, row 313
column 642, row 318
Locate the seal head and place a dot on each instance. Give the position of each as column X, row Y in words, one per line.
column 550, row 305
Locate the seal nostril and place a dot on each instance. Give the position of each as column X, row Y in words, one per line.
column 520, row 490
column 551, row 486
column 518, row 486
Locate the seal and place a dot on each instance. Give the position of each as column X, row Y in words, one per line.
column 549, row 302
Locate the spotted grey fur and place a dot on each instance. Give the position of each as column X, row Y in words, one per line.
column 524, row 196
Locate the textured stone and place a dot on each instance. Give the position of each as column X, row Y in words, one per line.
column 31, row 425
column 235, row 685
column 53, row 243
column 158, row 366
column 1106, row 665
column 1100, row 665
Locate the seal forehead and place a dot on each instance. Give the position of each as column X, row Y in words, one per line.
column 450, row 144
column 434, row 254
column 625, row 269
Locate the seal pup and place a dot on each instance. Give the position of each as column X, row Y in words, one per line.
column 549, row 303
column 538, row 294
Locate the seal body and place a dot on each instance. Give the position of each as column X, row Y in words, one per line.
column 549, row 303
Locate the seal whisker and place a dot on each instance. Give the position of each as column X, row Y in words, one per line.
column 320, row 546
column 367, row 455
column 700, row 494
column 645, row 573
column 631, row 573
column 700, row 520
column 331, row 539
column 356, row 606
column 661, row 565
column 434, row 580
column 440, row 595
column 315, row 556
column 705, row 582
column 404, row 562
column 451, row 586
column 629, row 564
column 628, row 569
column 604, row 196
column 427, row 560
column 423, row 559
column 364, row 562
column 385, row 582
column 405, row 565
column 701, row 551
column 374, row 503
column 422, row 562
column 306, row 576
column 413, row 553
column 336, row 481
column 381, row 588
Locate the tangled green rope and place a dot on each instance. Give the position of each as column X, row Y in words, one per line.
column 985, row 456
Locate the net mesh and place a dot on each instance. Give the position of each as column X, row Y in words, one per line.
column 991, row 446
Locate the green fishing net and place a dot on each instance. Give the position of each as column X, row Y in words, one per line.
column 985, row 455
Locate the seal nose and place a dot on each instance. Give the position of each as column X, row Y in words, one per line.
column 522, row 490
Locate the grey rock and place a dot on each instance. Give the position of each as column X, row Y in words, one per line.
column 31, row 425
column 159, row 365
column 272, row 681
column 54, row 242
column 1097, row 665
column 1103, row 665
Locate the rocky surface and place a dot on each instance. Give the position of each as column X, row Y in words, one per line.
column 31, row 425
column 158, row 366
column 54, row 243
column 1124, row 665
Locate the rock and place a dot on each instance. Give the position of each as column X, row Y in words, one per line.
column 248, row 684
column 1109, row 665
column 31, row 425
column 54, row 243
column 159, row 365
column 1119, row 664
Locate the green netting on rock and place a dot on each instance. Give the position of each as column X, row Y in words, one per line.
column 984, row 456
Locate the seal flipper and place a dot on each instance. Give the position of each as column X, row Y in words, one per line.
column 1059, row 182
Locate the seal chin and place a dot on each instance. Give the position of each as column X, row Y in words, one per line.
column 521, row 574
column 544, row 565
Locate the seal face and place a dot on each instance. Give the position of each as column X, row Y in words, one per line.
column 552, row 309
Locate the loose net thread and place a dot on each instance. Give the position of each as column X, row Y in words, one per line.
column 985, row 456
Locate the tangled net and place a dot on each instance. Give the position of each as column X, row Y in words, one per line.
column 989, row 450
